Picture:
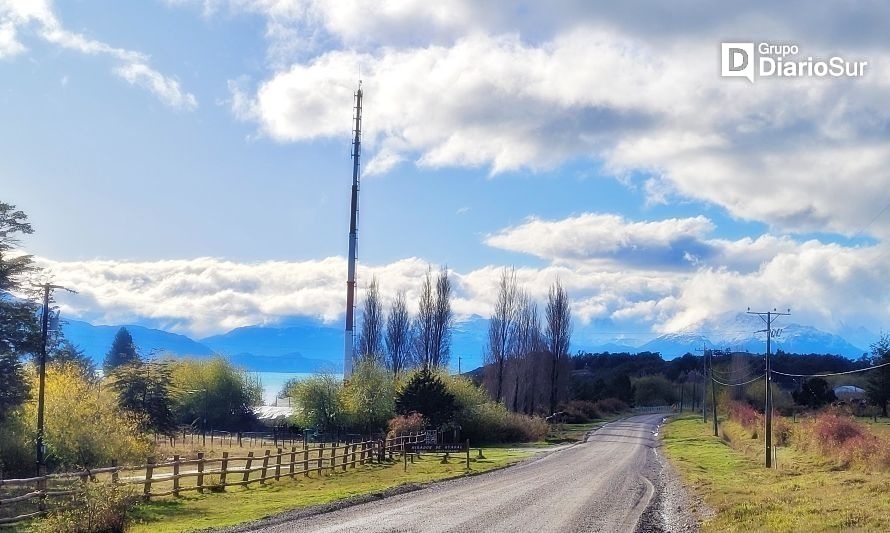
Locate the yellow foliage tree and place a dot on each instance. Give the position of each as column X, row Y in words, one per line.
column 84, row 427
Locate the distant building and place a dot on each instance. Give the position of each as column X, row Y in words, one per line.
column 849, row 393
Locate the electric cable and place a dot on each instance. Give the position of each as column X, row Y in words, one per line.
column 829, row 374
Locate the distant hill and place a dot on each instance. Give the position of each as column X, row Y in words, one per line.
column 306, row 344
column 95, row 341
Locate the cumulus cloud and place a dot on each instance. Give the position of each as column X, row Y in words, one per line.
column 656, row 244
column 532, row 87
column 39, row 16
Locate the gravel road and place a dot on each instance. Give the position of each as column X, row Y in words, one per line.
column 599, row 485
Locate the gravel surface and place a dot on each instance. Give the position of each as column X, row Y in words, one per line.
column 672, row 508
column 599, row 485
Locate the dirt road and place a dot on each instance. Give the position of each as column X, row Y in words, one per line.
column 594, row 486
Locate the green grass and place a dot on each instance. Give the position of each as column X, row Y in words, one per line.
column 237, row 505
column 806, row 493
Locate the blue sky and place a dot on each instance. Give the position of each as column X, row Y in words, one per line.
column 184, row 155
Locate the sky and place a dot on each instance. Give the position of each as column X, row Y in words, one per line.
column 186, row 163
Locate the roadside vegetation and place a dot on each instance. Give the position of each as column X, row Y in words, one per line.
column 807, row 492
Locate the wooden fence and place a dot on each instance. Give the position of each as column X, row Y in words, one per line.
column 177, row 475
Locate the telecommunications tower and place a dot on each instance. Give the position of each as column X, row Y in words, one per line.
column 353, row 238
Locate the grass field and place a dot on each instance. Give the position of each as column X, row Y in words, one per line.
column 806, row 493
column 237, row 505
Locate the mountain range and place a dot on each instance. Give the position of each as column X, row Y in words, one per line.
column 305, row 344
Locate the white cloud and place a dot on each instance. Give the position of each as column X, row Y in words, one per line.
column 611, row 237
column 168, row 90
column 481, row 85
column 39, row 15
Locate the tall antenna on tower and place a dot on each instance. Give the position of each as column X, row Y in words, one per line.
column 353, row 238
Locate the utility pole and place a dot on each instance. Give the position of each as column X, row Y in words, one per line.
column 768, row 407
column 353, row 238
column 713, row 393
column 44, row 334
column 704, row 385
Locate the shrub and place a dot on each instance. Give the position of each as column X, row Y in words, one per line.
column 403, row 424
column 427, row 394
column 491, row 422
column 745, row 415
column 611, row 406
column 84, row 425
column 579, row 412
column 844, row 440
column 95, row 508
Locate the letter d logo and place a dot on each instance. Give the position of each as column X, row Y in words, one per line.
column 737, row 60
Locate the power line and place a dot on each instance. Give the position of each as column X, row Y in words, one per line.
column 715, row 380
column 830, row 374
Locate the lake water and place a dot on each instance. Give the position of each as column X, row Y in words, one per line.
column 273, row 382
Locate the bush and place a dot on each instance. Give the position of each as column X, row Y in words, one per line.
column 403, row 424
column 427, row 394
column 579, row 412
column 491, row 422
column 611, row 406
column 95, row 508
column 84, row 425
column 745, row 415
column 845, row 440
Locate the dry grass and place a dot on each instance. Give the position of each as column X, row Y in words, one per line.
column 806, row 493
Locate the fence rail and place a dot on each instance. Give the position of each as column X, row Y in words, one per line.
column 173, row 477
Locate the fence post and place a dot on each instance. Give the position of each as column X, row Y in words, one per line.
column 176, row 475
column 320, row 459
column 468, row 454
column 333, row 457
column 246, row 477
column 305, row 462
column 201, row 472
column 265, row 467
column 278, row 464
column 223, row 468
column 353, row 455
column 149, row 468
column 293, row 459
column 114, row 473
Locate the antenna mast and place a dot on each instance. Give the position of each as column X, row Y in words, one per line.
column 353, row 238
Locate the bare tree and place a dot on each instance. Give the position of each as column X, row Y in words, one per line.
column 558, row 335
column 502, row 332
column 443, row 320
column 423, row 322
column 370, row 341
column 528, row 343
column 398, row 335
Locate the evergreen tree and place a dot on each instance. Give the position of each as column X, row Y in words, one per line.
column 67, row 353
column 19, row 328
column 122, row 352
column 426, row 394
column 144, row 389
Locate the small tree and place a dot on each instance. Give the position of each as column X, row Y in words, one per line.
column 425, row 393
column 318, row 401
column 67, row 353
column 368, row 396
column 122, row 351
column 144, row 390
column 814, row 393
column 878, row 385
column 370, row 341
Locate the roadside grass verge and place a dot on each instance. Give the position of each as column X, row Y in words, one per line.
column 238, row 505
column 806, row 492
